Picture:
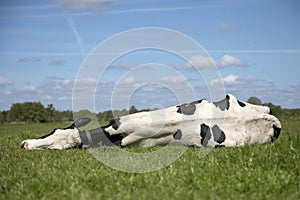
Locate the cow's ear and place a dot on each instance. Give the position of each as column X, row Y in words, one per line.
column 79, row 123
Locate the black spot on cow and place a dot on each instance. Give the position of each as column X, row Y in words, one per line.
column 218, row 134
column 224, row 104
column 188, row 108
column 115, row 123
column 177, row 135
column 205, row 134
column 241, row 104
column 196, row 102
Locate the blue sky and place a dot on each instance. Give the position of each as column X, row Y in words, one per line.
column 254, row 43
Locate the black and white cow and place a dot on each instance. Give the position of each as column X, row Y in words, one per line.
column 200, row 123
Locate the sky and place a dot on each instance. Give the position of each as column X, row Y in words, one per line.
column 46, row 46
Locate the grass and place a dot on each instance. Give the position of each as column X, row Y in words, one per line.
column 254, row 172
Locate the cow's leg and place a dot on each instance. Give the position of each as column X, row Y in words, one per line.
column 99, row 137
column 68, row 137
column 59, row 139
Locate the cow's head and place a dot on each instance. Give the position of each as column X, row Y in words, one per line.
column 59, row 138
column 236, row 123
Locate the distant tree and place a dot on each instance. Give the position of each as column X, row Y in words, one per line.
column 105, row 116
column 15, row 113
column 132, row 110
column 63, row 116
column 276, row 110
column 254, row 100
column 50, row 110
column 119, row 113
column 27, row 112
column 3, row 116
column 37, row 113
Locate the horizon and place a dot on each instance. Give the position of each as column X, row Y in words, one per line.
column 127, row 109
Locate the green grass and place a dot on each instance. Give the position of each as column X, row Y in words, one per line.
column 254, row 172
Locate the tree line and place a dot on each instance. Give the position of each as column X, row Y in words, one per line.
column 36, row 112
column 277, row 110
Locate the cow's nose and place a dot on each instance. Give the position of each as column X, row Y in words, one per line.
column 24, row 145
column 276, row 132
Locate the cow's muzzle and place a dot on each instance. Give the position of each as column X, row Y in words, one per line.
column 276, row 132
column 24, row 145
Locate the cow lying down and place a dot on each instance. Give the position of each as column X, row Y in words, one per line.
column 200, row 123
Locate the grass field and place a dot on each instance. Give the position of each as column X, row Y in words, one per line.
column 254, row 172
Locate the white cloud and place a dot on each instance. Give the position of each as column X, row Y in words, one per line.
column 5, row 81
column 200, row 61
column 85, row 85
column 129, row 80
column 228, row 60
column 227, row 80
column 27, row 89
column 230, row 79
column 46, row 97
column 173, row 79
column 91, row 5
column 267, row 91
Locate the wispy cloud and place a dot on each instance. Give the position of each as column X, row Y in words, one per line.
column 225, row 27
column 5, row 81
column 53, row 90
column 78, row 40
column 91, row 5
column 258, row 51
column 31, row 7
column 87, row 9
column 153, row 9
column 27, row 59
column 267, row 91
column 27, row 89
column 57, row 61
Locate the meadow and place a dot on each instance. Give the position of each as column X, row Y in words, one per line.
column 268, row 171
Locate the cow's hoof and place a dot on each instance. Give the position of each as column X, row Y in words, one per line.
column 24, row 145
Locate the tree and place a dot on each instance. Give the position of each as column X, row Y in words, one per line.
column 27, row 112
column 254, row 100
column 132, row 110
column 276, row 110
column 3, row 117
column 15, row 113
column 37, row 113
column 50, row 113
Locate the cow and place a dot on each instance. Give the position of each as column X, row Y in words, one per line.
column 227, row 123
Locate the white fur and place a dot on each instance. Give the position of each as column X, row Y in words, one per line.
column 242, row 125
